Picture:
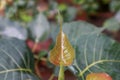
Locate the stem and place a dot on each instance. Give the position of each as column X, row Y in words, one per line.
column 42, row 59
column 60, row 20
column 37, row 70
column 61, row 73
column 34, row 47
column 51, row 77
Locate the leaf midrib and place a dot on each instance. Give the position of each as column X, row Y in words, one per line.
column 14, row 70
column 94, row 63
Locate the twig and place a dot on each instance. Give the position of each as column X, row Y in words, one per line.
column 51, row 77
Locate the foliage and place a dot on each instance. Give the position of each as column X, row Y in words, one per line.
column 98, row 76
column 115, row 5
column 112, row 24
column 21, row 10
column 95, row 52
column 39, row 28
column 68, row 12
column 16, row 61
column 90, row 6
column 10, row 28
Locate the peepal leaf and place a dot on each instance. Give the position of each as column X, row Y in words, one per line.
column 70, row 14
column 115, row 5
column 95, row 52
column 112, row 24
column 12, row 29
column 39, row 28
column 117, row 16
column 63, row 53
column 16, row 61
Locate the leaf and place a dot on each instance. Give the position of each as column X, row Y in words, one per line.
column 20, row 2
column 117, row 16
column 70, row 13
column 25, row 17
column 42, row 54
column 63, row 53
column 16, row 61
column 12, row 29
column 39, row 27
column 73, row 30
column 62, row 7
column 95, row 52
column 115, row 5
column 112, row 24
column 98, row 76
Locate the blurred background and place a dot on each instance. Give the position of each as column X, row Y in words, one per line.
column 33, row 20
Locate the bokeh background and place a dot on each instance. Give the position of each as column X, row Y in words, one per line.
column 33, row 20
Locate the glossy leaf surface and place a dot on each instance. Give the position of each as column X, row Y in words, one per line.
column 63, row 53
column 98, row 76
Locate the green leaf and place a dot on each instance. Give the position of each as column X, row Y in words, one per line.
column 39, row 28
column 70, row 14
column 12, row 29
column 79, row 1
column 112, row 24
column 117, row 16
column 62, row 7
column 21, row 2
column 95, row 52
column 16, row 61
column 42, row 54
column 74, row 30
column 25, row 17
column 115, row 5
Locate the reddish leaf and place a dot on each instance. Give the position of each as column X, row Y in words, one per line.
column 98, row 76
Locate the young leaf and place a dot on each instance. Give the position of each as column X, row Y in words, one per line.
column 62, row 53
column 98, row 76
column 16, row 61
